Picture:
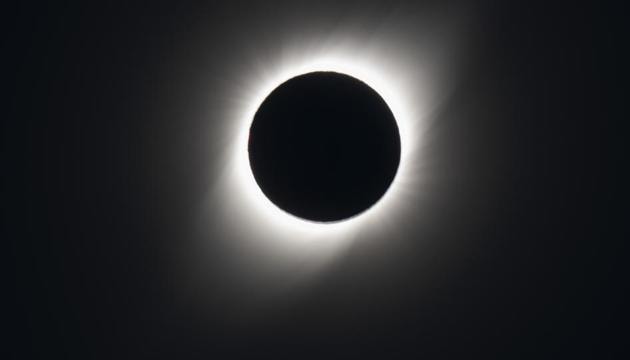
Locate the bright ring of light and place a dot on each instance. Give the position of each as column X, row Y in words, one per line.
column 272, row 216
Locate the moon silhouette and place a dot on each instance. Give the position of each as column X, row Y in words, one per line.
column 324, row 146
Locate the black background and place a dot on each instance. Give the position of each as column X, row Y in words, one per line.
column 104, row 171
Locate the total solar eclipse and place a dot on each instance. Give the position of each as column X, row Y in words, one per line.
column 324, row 146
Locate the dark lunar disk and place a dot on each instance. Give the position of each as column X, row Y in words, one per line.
column 324, row 146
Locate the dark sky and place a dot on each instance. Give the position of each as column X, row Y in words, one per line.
column 517, row 251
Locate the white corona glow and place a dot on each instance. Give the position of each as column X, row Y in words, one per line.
column 266, row 250
column 285, row 229
column 263, row 243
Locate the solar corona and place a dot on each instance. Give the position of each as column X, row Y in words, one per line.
column 336, row 218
